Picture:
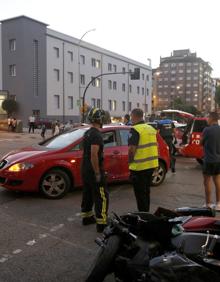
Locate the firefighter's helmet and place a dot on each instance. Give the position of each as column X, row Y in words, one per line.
column 96, row 115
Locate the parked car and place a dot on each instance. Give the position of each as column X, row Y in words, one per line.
column 191, row 139
column 40, row 121
column 53, row 166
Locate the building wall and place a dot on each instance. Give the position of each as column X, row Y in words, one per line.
column 184, row 76
column 28, row 86
column 54, row 65
column 0, row 57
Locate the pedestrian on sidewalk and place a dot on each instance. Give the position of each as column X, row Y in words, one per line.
column 31, row 123
column 43, row 131
column 211, row 162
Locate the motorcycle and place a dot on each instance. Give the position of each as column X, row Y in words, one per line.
column 144, row 247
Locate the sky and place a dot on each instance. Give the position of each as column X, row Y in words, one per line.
column 139, row 30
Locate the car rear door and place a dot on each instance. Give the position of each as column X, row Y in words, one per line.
column 112, row 155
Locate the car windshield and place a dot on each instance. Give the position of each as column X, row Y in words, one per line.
column 64, row 139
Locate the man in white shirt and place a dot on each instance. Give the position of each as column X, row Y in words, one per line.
column 31, row 123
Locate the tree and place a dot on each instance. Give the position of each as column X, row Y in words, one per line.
column 217, row 95
column 10, row 106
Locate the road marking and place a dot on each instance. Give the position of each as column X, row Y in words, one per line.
column 18, row 251
column 31, row 242
column 57, row 227
column 41, row 236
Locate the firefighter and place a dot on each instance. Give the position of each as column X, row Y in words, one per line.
column 142, row 157
column 166, row 129
column 94, row 184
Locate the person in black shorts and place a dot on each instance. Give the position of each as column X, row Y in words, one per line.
column 211, row 165
column 94, row 184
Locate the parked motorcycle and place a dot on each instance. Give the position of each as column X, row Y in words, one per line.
column 144, row 247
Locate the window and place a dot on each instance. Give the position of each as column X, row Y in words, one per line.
column 124, row 137
column 142, row 90
column 123, row 69
column 70, row 74
column 12, row 44
column 70, row 53
column 173, row 65
column 93, row 62
column 188, row 70
column 147, row 77
column 109, row 139
column 147, row 91
column 138, row 105
column 123, row 106
column 70, row 102
column 110, row 105
column 142, row 76
column 97, row 64
column 82, row 79
column 57, row 74
column 138, row 90
column 93, row 102
column 96, row 82
column 129, row 106
column 82, row 59
column 98, row 101
column 109, row 84
column 12, row 70
column 35, row 68
column 123, row 87
column 115, row 68
column 115, row 85
column 114, row 105
column 57, row 101
column 130, row 88
column 181, row 64
column 57, row 52
column 180, row 71
column 109, row 67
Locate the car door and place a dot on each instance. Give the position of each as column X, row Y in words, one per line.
column 112, row 155
column 123, row 135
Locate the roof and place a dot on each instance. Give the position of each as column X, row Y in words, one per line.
column 20, row 17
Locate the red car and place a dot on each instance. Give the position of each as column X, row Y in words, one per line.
column 53, row 166
column 191, row 139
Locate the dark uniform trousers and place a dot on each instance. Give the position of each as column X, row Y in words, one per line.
column 97, row 194
column 141, row 182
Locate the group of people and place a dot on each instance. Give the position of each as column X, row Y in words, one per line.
column 12, row 124
column 142, row 161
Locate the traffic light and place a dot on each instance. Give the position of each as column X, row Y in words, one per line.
column 136, row 74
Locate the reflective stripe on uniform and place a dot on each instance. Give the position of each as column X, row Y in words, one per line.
column 147, row 145
column 102, row 220
column 87, row 214
column 145, row 159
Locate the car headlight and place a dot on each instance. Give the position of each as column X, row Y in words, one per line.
column 20, row 166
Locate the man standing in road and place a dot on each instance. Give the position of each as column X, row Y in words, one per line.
column 166, row 129
column 211, row 166
column 94, row 186
column 31, row 123
column 142, row 157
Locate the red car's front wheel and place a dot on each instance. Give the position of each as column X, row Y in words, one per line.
column 55, row 184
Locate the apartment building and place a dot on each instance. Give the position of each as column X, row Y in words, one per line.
column 47, row 72
column 183, row 75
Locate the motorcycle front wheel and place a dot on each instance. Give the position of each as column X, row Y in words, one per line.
column 103, row 262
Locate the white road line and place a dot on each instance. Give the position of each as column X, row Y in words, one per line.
column 31, row 242
column 18, row 251
column 55, row 228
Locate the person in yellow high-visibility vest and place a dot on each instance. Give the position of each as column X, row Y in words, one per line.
column 142, row 157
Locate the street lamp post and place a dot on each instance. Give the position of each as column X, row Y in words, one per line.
column 79, row 44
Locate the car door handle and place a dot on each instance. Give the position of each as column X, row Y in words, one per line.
column 115, row 152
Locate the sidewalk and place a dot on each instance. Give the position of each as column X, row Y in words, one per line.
column 24, row 135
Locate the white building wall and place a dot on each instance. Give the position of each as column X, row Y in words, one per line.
column 63, row 63
column 1, row 57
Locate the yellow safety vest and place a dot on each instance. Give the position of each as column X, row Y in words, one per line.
column 146, row 155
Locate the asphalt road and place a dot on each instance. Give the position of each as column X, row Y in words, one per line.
column 43, row 240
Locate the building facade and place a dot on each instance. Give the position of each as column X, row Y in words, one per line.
column 47, row 72
column 185, row 76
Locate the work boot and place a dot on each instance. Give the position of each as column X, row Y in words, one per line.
column 88, row 220
column 100, row 227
